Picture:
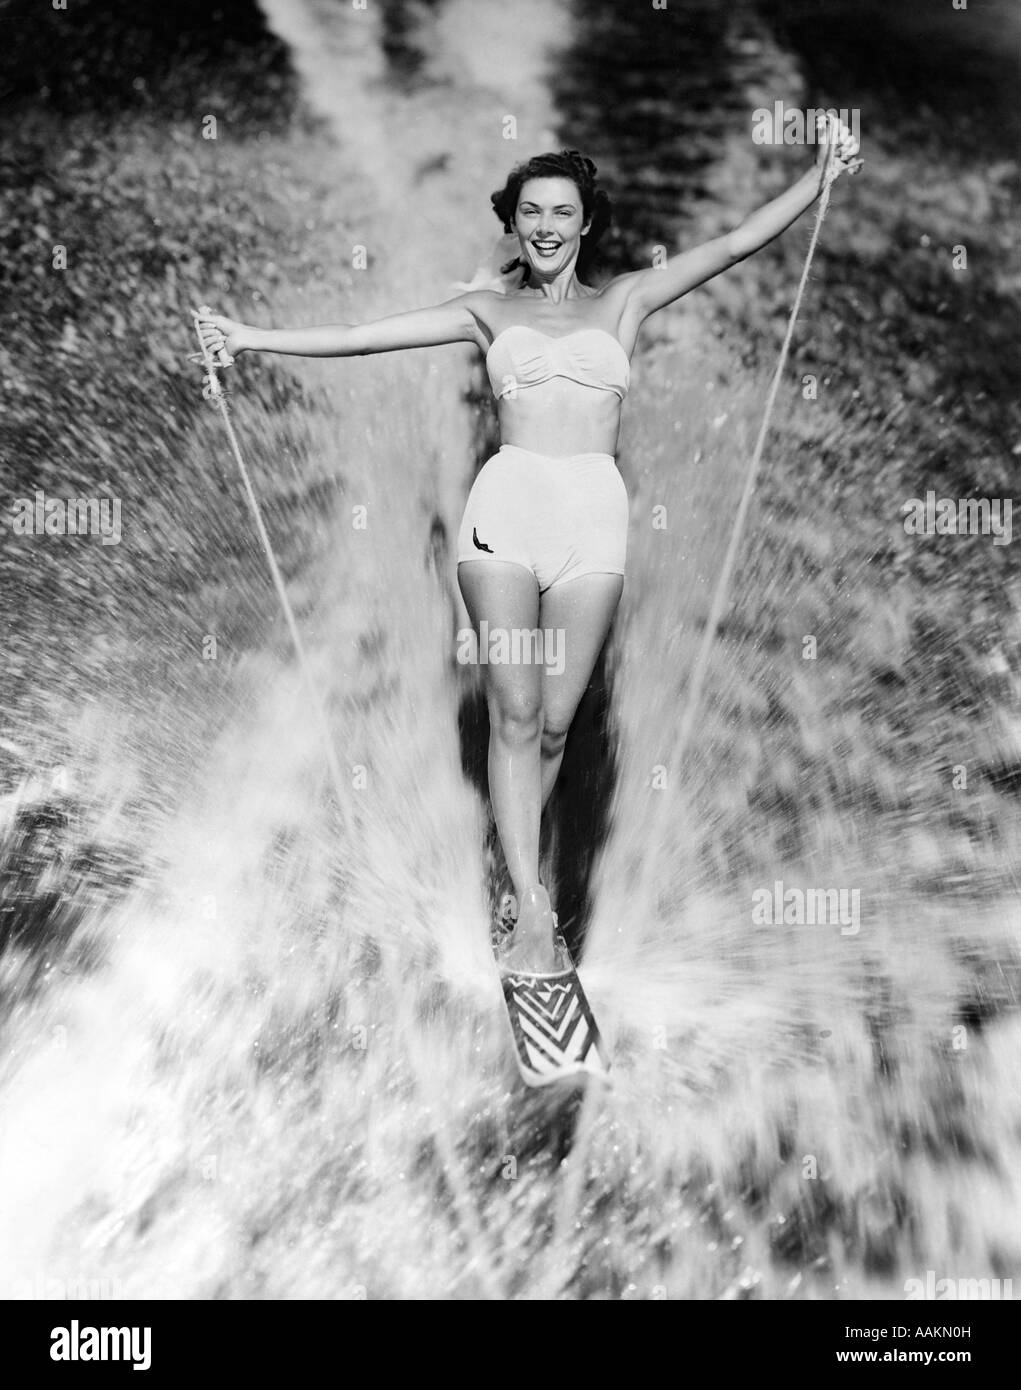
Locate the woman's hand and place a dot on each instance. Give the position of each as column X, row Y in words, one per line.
column 218, row 332
column 832, row 133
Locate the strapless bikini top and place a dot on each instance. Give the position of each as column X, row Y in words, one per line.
column 522, row 356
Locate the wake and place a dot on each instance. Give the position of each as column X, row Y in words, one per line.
column 279, row 1067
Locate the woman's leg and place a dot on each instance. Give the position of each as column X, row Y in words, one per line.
column 507, row 596
column 530, row 712
column 580, row 610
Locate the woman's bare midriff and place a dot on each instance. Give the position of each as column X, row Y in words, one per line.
column 561, row 417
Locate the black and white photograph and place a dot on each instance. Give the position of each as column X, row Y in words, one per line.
column 510, row 699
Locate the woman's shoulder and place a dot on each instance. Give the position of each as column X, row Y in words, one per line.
column 485, row 307
column 620, row 286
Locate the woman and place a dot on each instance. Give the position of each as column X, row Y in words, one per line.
column 543, row 539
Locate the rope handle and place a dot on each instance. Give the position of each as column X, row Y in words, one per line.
column 212, row 388
column 828, row 128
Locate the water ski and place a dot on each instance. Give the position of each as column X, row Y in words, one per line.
column 556, row 1037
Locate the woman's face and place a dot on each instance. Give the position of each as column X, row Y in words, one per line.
column 549, row 223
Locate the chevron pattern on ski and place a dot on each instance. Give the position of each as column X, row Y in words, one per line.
column 555, row 1035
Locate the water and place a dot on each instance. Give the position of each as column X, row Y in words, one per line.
column 277, row 1067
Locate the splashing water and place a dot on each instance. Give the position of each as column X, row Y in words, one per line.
column 284, row 1071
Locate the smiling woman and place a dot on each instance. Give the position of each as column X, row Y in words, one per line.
column 547, row 231
column 543, row 539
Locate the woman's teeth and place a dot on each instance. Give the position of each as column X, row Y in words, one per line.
column 546, row 248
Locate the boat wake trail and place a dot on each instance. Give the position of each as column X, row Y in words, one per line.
column 274, row 1064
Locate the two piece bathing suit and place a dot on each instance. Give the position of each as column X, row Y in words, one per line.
column 558, row 517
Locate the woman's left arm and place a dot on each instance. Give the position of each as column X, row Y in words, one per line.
column 649, row 290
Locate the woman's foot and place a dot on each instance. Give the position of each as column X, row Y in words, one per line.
column 532, row 948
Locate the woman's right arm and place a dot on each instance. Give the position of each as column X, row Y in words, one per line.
column 451, row 322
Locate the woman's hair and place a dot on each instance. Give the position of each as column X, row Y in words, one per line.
column 568, row 164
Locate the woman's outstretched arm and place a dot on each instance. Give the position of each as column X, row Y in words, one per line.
column 649, row 290
column 452, row 322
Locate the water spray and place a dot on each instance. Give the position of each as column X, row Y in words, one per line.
column 721, row 592
column 212, row 390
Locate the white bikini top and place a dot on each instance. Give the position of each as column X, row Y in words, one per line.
column 521, row 357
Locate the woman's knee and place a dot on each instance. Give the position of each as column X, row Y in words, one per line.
column 554, row 735
column 515, row 717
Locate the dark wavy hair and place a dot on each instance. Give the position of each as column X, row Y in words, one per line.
column 568, row 164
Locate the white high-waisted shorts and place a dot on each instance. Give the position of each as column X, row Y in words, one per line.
column 558, row 517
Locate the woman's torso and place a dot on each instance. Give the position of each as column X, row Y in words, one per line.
column 560, row 416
